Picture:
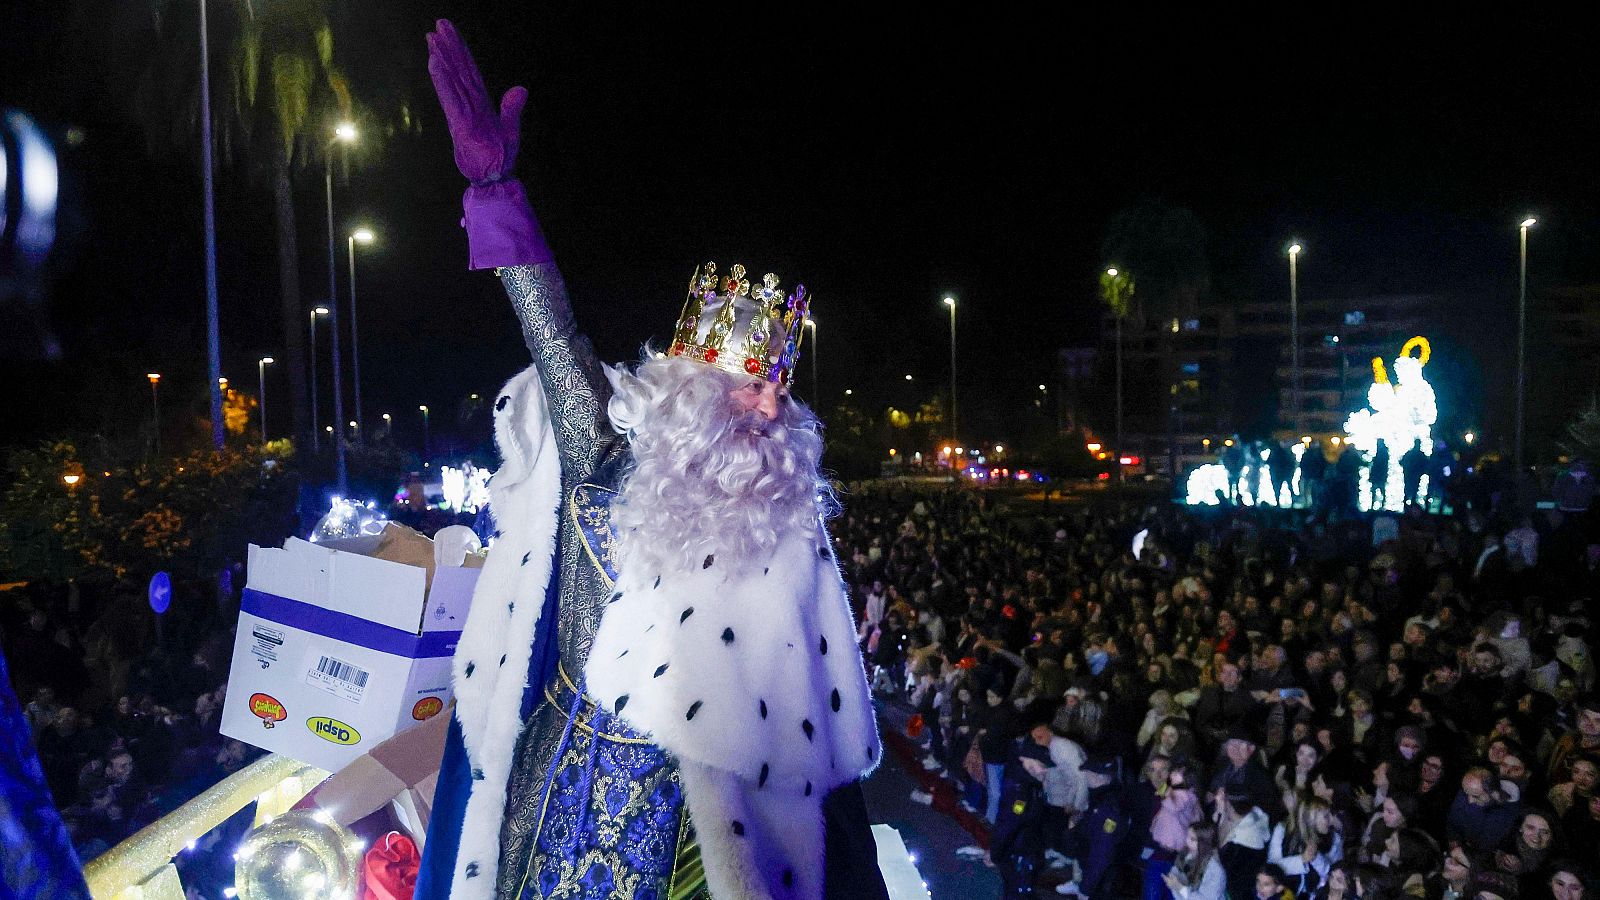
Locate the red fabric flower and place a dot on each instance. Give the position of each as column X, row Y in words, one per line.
column 390, row 868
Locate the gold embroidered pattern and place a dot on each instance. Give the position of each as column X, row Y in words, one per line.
column 612, row 817
column 590, row 507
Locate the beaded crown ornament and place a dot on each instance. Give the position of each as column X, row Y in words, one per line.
column 740, row 329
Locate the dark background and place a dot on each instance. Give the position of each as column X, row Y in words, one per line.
column 885, row 156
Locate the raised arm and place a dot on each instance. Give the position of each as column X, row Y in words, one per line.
column 504, row 235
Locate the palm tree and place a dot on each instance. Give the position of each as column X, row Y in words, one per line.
column 1166, row 245
column 1116, row 289
column 274, row 106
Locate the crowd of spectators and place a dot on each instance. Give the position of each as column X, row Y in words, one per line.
column 1256, row 704
column 1253, row 703
column 124, row 715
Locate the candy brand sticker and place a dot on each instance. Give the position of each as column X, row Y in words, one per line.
column 333, row 731
column 267, row 708
column 426, row 708
column 342, row 679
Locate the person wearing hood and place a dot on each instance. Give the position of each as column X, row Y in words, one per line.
column 1484, row 812
column 1401, row 770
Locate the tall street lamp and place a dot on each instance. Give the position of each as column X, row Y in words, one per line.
column 316, row 432
column 1116, row 287
column 1522, row 327
column 261, row 375
column 388, row 426
column 1294, row 333
column 155, row 405
column 954, row 430
column 359, row 236
column 213, row 326
column 345, row 133
column 424, row 410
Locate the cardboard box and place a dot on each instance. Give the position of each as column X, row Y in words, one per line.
column 337, row 651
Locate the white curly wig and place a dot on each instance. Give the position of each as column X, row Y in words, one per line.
column 708, row 477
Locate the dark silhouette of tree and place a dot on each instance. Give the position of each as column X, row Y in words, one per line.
column 1165, row 247
column 277, row 94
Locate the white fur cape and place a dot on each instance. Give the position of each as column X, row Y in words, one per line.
column 760, row 658
column 754, row 683
column 497, row 641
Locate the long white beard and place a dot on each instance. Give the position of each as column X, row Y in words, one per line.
column 707, row 479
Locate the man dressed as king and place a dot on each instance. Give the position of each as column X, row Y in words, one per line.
column 658, row 689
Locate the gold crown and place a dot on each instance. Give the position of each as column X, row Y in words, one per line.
column 773, row 324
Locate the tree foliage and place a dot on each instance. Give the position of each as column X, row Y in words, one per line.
column 1166, row 246
column 277, row 91
column 190, row 515
column 236, row 408
column 1583, row 433
column 1117, row 290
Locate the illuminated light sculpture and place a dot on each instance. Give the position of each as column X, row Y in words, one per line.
column 453, row 485
column 465, row 489
column 1400, row 412
column 1208, row 484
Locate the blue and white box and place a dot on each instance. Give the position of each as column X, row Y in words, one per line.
column 338, row 651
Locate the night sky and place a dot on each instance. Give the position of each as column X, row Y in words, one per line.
column 884, row 156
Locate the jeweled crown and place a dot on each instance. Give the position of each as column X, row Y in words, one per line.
column 742, row 329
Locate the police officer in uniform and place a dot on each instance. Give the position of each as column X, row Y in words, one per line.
column 1102, row 828
column 1018, row 841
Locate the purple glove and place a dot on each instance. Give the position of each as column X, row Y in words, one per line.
column 501, row 228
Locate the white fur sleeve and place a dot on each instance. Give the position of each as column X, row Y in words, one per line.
column 758, row 675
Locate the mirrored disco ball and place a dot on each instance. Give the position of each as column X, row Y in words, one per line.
column 348, row 519
column 297, row 856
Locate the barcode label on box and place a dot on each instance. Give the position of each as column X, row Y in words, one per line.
column 343, row 671
column 337, row 677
